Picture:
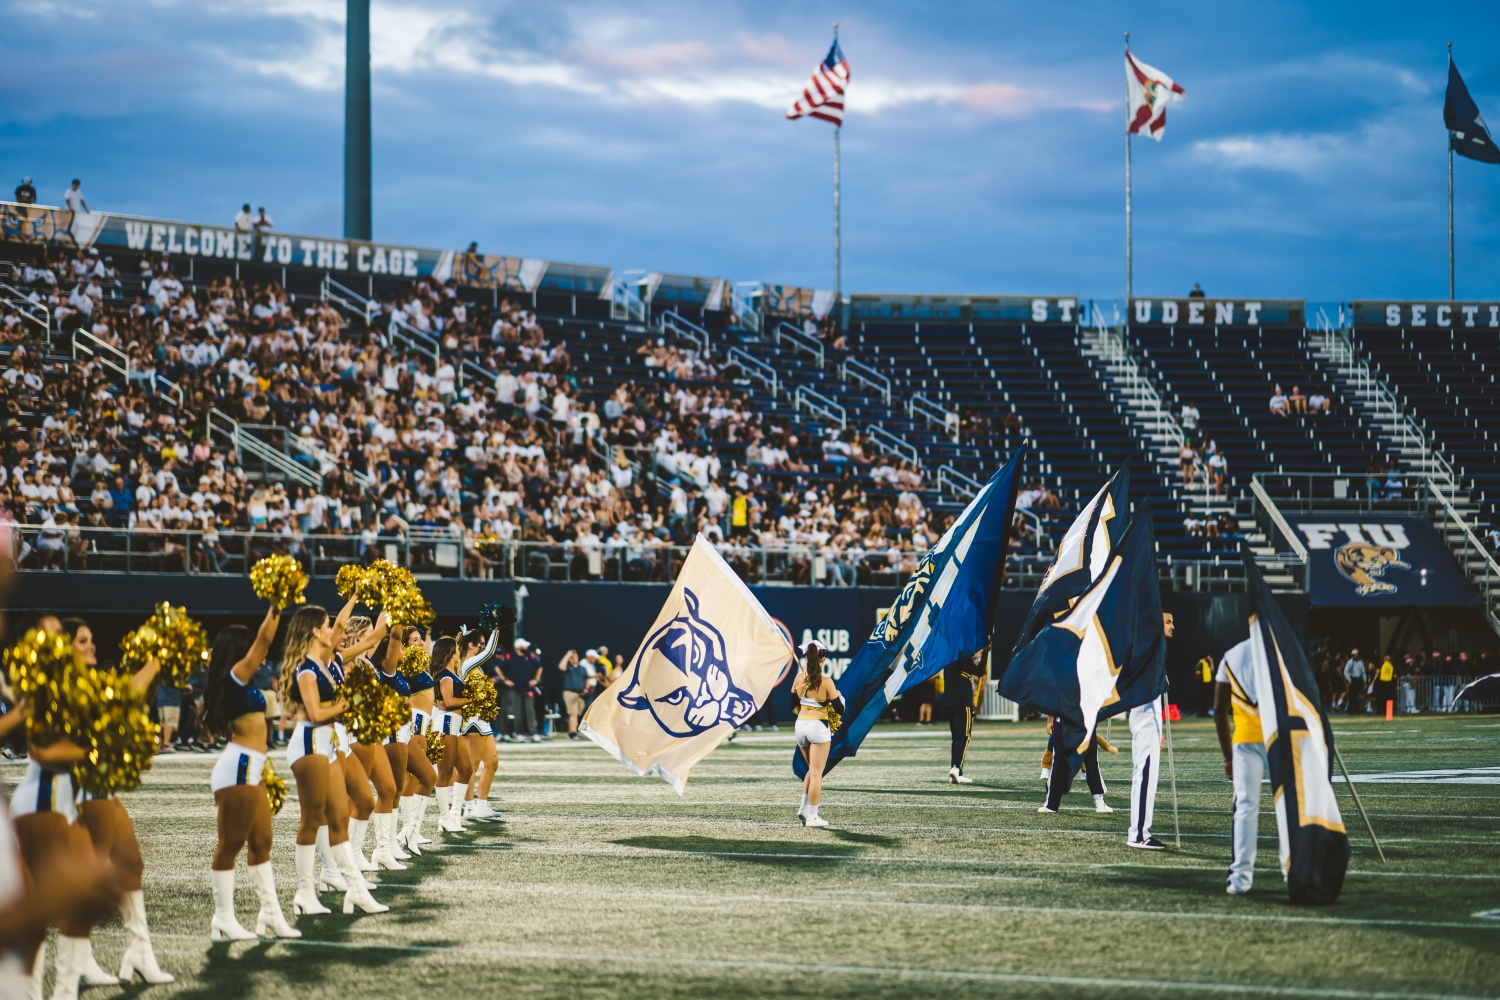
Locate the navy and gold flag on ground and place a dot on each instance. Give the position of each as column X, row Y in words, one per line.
column 1299, row 751
column 1082, row 555
column 1107, row 654
column 942, row 615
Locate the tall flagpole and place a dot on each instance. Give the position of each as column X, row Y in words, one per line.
column 839, row 221
column 1450, row 198
column 1129, row 263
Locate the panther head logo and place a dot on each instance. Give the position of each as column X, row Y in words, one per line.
column 1365, row 564
column 681, row 677
column 899, row 614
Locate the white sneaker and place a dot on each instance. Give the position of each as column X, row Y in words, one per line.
column 536, row 737
column 1100, row 806
column 1045, row 809
column 958, row 777
column 1235, row 890
column 814, row 821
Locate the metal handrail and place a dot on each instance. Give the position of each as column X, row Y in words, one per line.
column 933, row 413
column 675, row 324
column 403, row 331
column 957, row 483
column 29, row 309
column 1375, row 394
column 116, row 360
column 800, row 341
column 1472, row 547
column 755, row 368
column 220, row 423
column 888, row 442
column 349, row 300
column 474, row 370
column 293, row 443
column 866, row 376
column 820, row 405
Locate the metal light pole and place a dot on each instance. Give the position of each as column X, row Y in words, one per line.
column 1129, row 263
column 357, row 121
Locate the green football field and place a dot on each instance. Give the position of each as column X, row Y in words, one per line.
column 600, row 884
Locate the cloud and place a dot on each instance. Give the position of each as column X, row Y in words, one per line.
column 1297, row 154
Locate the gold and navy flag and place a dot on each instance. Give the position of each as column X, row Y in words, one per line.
column 1107, row 655
column 707, row 664
column 1299, row 751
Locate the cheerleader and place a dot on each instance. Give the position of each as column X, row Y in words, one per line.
column 367, row 765
column 233, row 704
column 113, row 836
column 455, row 767
column 307, row 688
column 387, row 655
column 814, row 693
column 421, row 777
column 478, row 734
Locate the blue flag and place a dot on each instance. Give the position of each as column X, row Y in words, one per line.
column 1299, row 752
column 942, row 615
column 1107, row 654
column 1468, row 135
column 1081, row 556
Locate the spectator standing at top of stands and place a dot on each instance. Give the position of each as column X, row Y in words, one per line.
column 25, row 193
column 1279, row 406
column 1355, row 676
column 1197, row 292
column 263, row 225
column 244, row 222
column 73, row 197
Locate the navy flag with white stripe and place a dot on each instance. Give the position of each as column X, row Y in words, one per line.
column 1467, row 133
column 942, row 615
column 1081, row 556
column 1299, row 751
column 1107, row 654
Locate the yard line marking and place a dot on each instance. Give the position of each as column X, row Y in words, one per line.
column 1436, row 776
column 951, row 975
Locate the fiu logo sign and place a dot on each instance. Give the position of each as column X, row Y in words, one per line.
column 1367, row 552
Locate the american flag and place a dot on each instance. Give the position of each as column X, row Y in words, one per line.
column 824, row 95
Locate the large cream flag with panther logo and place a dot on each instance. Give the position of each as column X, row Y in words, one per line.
column 708, row 663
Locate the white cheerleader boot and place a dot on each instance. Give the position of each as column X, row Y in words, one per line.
column 384, row 823
column 397, row 829
column 69, row 965
column 93, row 975
column 330, row 879
column 270, row 921
column 138, row 957
column 358, row 894
column 225, row 926
column 414, row 838
column 357, row 830
column 306, row 899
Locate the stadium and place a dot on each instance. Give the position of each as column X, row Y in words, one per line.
column 997, row 523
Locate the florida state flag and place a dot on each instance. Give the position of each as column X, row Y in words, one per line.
column 1149, row 91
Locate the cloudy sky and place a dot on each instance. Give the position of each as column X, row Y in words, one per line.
column 983, row 150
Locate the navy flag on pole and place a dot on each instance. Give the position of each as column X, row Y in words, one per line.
column 942, row 615
column 1467, row 133
column 1299, row 751
column 1081, row 556
column 1105, row 656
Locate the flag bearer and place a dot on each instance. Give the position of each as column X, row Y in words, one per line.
column 1146, row 743
column 1237, row 718
column 961, row 699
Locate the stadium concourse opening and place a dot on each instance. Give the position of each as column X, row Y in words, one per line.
column 185, row 401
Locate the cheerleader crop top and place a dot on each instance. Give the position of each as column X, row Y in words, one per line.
column 458, row 684
column 420, row 682
column 325, row 685
column 243, row 698
column 395, row 682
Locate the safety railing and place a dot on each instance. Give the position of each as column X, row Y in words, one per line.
column 351, row 302
column 293, row 445
column 994, row 708
column 625, row 302
column 38, row 314
column 819, row 405
column 685, row 329
column 745, row 298
column 951, row 481
column 1127, row 375
column 252, row 451
column 401, row 331
column 857, row 371
column 1473, row 555
column 801, row 343
column 1427, row 693
column 754, row 368
column 1335, row 342
column 893, row 444
column 919, row 407
column 117, row 361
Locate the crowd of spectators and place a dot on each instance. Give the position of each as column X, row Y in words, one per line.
column 1424, row 680
column 439, row 416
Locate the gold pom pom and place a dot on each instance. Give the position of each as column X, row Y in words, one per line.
column 413, row 661
column 349, row 579
column 39, row 656
column 279, row 580
column 118, row 735
column 178, row 642
column 483, row 700
column 275, row 787
column 372, row 712
column 390, row 587
column 434, row 744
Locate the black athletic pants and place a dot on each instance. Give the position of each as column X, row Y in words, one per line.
column 1063, row 765
column 960, row 725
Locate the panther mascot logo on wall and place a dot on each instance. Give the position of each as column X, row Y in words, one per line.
column 681, row 677
column 896, row 618
column 1365, row 564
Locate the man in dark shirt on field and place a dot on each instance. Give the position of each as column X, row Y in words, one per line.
column 520, row 673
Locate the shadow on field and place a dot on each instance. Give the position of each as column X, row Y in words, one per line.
column 985, row 791
column 324, row 956
column 872, row 839
column 779, row 853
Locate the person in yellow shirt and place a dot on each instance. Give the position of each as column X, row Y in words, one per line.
column 1205, row 671
column 1384, row 690
column 1237, row 719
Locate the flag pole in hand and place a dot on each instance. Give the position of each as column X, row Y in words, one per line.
column 1358, row 804
column 1172, row 768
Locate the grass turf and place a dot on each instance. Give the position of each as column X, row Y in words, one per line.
column 599, row 884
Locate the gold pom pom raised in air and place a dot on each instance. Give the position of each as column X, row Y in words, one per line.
column 413, row 661
column 279, row 580
column 171, row 635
